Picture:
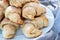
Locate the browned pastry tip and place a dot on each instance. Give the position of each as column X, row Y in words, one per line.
column 20, row 22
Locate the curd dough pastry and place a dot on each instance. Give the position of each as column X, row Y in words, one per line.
column 8, row 28
column 30, row 31
column 32, row 9
column 41, row 22
column 14, row 14
column 19, row 3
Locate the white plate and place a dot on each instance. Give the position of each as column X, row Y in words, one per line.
column 50, row 17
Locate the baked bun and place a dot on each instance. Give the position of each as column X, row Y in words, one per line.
column 32, row 9
column 31, row 31
column 14, row 14
column 8, row 28
column 41, row 22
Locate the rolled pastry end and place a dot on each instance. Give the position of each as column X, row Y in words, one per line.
column 8, row 31
column 20, row 22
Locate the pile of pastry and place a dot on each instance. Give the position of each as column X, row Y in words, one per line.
column 25, row 14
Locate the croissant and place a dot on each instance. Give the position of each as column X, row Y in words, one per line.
column 32, row 9
column 30, row 31
column 40, row 22
column 8, row 28
column 19, row 3
column 14, row 14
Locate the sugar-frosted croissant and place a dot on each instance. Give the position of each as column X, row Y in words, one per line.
column 30, row 31
column 19, row 3
column 14, row 14
column 8, row 28
column 32, row 9
column 40, row 22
